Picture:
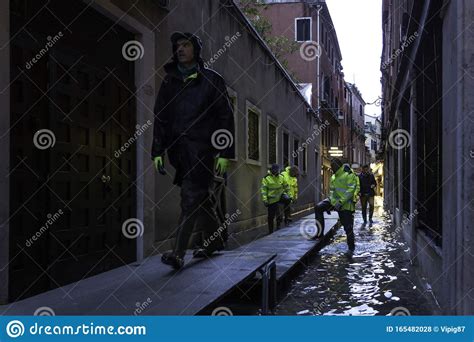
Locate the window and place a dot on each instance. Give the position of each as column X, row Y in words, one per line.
column 296, row 146
column 303, row 29
column 361, row 110
column 327, row 89
column 286, row 149
column 235, row 109
column 253, row 134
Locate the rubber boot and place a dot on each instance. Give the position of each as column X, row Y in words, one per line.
column 176, row 258
column 351, row 242
column 169, row 258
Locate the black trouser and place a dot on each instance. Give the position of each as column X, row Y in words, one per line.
column 194, row 166
column 346, row 217
column 287, row 210
column 364, row 199
column 274, row 210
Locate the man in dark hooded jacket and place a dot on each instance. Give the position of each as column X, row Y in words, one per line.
column 367, row 192
column 194, row 125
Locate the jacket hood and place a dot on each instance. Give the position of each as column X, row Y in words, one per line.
column 170, row 68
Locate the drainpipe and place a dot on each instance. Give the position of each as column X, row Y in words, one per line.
column 319, row 7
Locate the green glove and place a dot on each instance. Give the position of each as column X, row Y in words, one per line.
column 222, row 165
column 159, row 165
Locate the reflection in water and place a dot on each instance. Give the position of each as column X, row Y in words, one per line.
column 374, row 280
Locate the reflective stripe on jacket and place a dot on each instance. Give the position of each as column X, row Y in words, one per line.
column 292, row 184
column 357, row 192
column 273, row 187
column 344, row 187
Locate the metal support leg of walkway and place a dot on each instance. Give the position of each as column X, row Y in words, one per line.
column 269, row 286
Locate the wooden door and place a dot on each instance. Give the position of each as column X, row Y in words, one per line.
column 77, row 192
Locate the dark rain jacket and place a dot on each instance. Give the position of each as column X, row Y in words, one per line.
column 189, row 112
column 366, row 181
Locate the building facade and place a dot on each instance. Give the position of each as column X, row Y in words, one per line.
column 428, row 140
column 373, row 135
column 318, row 63
column 68, row 205
column 355, row 146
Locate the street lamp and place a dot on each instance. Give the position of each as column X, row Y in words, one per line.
column 335, row 152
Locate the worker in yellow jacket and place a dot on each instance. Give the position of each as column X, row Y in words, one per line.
column 344, row 189
column 291, row 174
column 274, row 192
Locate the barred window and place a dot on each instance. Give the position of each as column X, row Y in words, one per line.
column 253, row 140
column 272, row 143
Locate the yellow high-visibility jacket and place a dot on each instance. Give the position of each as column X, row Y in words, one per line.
column 357, row 192
column 344, row 187
column 273, row 187
column 292, row 183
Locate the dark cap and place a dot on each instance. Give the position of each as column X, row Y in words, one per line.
column 275, row 167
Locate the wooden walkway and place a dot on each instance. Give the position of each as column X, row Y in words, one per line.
column 151, row 288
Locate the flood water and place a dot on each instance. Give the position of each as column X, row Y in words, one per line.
column 377, row 279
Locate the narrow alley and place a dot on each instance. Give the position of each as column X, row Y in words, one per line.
column 376, row 280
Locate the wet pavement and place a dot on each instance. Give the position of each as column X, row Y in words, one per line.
column 377, row 279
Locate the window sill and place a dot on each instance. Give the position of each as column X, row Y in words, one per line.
column 253, row 162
